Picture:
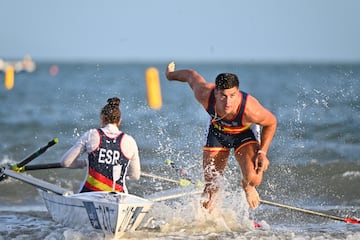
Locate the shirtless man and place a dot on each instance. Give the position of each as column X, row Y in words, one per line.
column 232, row 112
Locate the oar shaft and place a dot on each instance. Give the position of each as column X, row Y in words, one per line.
column 173, row 196
column 159, row 177
column 42, row 166
column 37, row 153
column 301, row 210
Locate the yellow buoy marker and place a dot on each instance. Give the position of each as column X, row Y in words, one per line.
column 9, row 77
column 153, row 88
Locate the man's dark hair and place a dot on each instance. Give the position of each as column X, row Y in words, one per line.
column 226, row 81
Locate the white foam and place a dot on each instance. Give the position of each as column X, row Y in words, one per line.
column 188, row 216
column 351, row 174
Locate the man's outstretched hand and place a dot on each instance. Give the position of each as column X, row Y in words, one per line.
column 170, row 68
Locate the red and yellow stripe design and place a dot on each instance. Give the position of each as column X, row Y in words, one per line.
column 230, row 129
column 97, row 182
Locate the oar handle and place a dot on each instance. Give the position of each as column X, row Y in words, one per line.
column 42, row 166
column 37, row 153
column 29, row 167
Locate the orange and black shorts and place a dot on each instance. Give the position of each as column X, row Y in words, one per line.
column 218, row 139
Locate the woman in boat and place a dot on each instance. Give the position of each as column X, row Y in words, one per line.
column 112, row 154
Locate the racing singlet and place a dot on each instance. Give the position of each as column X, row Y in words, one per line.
column 107, row 166
column 232, row 126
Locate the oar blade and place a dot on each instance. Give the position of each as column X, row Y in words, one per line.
column 351, row 220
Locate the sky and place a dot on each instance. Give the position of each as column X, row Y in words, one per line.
column 186, row 30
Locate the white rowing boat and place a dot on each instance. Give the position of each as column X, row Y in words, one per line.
column 113, row 213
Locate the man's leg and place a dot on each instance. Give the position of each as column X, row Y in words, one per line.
column 214, row 163
column 246, row 156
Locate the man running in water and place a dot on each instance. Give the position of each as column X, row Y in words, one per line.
column 232, row 112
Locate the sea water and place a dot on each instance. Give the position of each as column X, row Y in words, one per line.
column 314, row 156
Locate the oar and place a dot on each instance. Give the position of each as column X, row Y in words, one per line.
column 17, row 167
column 181, row 182
column 177, row 195
column 149, row 175
column 42, row 166
column 347, row 219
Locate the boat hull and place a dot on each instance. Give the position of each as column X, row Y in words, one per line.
column 113, row 213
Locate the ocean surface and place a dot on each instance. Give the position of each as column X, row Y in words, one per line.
column 315, row 155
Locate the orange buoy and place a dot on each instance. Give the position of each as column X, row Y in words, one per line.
column 153, row 88
column 9, row 77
